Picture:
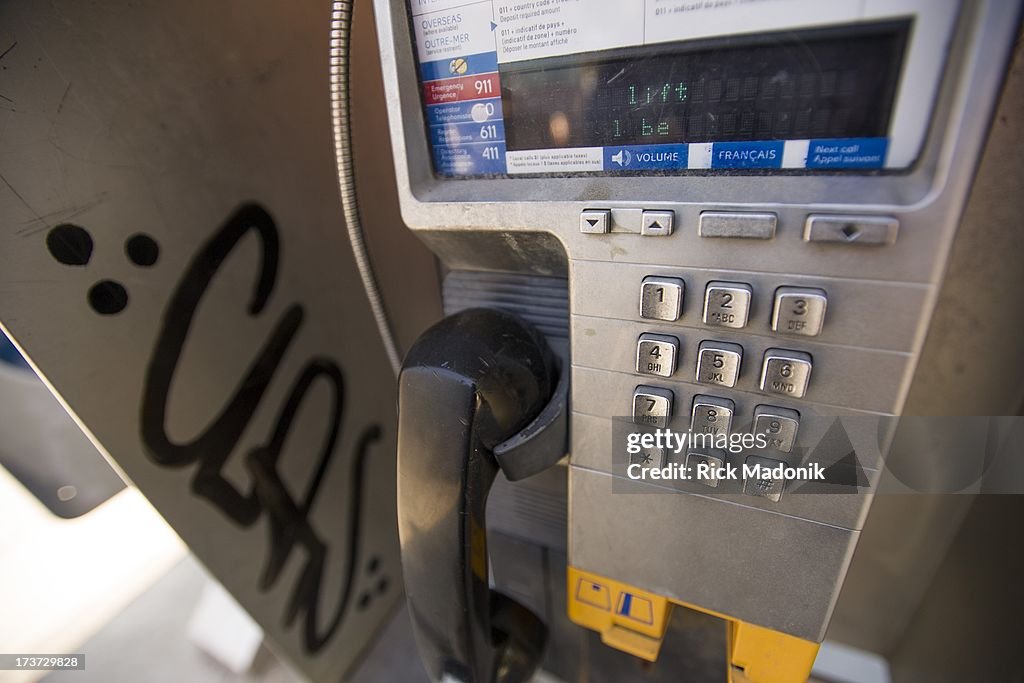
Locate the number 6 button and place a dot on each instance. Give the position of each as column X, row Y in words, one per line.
column 661, row 298
column 786, row 372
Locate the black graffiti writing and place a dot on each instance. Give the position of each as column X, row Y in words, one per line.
column 289, row 519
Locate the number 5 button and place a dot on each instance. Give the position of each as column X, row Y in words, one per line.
column 661, row 298
column 799, row 311
column 718, row 363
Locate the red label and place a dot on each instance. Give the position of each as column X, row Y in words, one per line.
column 461, row 89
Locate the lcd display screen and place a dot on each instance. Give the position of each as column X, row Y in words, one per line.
column 831, row 84
column 506, row 92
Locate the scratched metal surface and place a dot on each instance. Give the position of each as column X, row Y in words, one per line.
column 173, row 260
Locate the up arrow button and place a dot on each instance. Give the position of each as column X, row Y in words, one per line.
column 656, row 223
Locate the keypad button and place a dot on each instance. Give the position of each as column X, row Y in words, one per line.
column 657, row 354
column 711, row 415
column 652, row 406
column 719, row 363
column 764, row 486
column 595, row 221
column 785, row 372
column 657, row 223
column 661, row 298
column 760, row 226
column 799, row 310
column 872, row 231
column 649, row 458
column 726, row 304
column 704, row 468
column 779, row 425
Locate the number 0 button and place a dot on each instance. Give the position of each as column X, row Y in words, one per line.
column 661, row 298
column 657, row 354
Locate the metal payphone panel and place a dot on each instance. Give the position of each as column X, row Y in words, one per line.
column 808, row 257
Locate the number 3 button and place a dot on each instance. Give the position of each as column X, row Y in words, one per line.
column 799, row 311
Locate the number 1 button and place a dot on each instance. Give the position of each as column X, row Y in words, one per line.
column 661, row 298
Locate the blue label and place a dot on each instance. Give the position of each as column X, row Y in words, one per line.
column 483, row 63
column 847, row 153
column 645, row 157
column 747, row 154
column 477, row 111
column 466, row 133
column 473, row 159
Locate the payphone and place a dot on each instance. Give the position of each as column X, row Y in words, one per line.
column 752, row 204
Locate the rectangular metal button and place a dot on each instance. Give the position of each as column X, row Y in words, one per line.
column 711, row 415
column 652, row 406
column 864, row 230
column 779, row 425
column 758, row 226
column 661, row 298
column 657, row 223
column 719, row 363
column 648, row 458
column 799, row 310
column 595, row 221
column 726, row 304
column 786, row 372
column 764, row 486
column 657, row 354
column 704, row 468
